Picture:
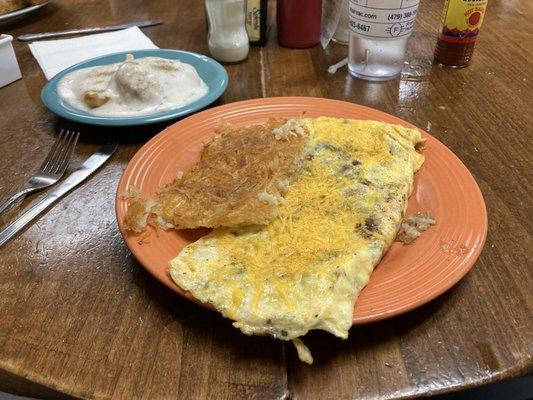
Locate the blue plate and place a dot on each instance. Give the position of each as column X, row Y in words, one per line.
column 212, row 73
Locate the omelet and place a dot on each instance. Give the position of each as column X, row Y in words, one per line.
column 305, row 269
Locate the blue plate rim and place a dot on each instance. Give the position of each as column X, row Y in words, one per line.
column 59, row 109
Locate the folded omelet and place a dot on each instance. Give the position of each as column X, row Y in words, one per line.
column 305, row 269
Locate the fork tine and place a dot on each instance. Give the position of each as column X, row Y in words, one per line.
column 65, row 161
column 52, row 165
column 62, row 149
column 52, row 152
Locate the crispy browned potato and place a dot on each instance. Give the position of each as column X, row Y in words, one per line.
column 242, row 176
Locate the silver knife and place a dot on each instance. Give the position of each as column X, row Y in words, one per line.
column 46, row 35
column 74, row 179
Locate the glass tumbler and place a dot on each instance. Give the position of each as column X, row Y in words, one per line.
column 379, row 32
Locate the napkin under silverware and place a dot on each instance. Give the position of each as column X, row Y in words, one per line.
column 54, row 56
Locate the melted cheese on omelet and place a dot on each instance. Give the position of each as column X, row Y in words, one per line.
column 306, row 268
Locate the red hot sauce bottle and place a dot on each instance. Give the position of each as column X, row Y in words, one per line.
column 461, row 20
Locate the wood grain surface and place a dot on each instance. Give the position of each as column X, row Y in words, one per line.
column 79, row 317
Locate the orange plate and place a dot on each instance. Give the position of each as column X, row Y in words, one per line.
column 407, row 277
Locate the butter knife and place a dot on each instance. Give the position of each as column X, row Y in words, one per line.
column 74, row 179
column 46, row 35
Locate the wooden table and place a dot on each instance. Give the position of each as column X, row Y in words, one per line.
column 79, row 317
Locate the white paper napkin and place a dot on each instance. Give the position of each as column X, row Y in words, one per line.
column 54, row 56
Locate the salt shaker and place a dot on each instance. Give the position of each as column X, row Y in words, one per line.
column 227, row 38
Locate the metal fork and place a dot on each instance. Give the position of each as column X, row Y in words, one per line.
column 52, row 169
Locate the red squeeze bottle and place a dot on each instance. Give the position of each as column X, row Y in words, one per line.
column 299, row 23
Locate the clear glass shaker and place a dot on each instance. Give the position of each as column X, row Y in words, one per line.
column 227, row 38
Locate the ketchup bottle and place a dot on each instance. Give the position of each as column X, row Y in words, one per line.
column 299, row 23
